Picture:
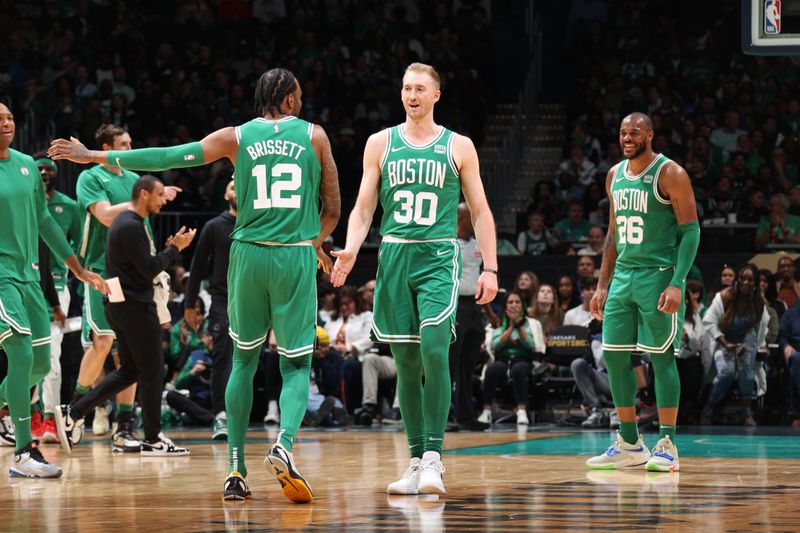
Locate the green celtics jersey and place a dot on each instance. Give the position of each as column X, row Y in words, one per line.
column 647, row 230
column 66, row 213
column 97, row 184
column 277, row 181
column 22, row 207
column 419, row 188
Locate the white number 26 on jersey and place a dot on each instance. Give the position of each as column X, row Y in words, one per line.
column 631, row 229
column 279, row 186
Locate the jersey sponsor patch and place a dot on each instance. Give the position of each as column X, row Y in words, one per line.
column 440, row 149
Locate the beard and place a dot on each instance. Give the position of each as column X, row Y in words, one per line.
column 639, row 150
column 233, row 205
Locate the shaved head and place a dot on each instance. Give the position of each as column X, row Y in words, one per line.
column 639, row 119
column 636, row 136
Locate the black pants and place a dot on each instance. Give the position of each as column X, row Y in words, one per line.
column 497, row 375
column 221, row 356
column 196, row 408
column 464, row 355
column 141, row 361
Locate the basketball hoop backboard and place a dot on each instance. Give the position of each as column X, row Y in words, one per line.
column 771, row 27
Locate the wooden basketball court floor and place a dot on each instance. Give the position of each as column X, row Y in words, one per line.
column 533, row 480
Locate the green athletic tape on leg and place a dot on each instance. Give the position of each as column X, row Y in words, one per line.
column 239, row 401
column 83, row 391
column 667, row 379
column 408, row 361
column 158, row 159
column 296, row 374
column 688, row 243
column 435, row 349
column 621, row 378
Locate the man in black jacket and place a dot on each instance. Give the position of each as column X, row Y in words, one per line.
column 134, row 319
column 211, row 262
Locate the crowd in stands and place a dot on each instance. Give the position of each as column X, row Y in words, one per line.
column 732, row 121
column 174, row 72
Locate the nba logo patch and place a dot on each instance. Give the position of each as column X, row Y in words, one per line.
column 24, row 171
column 59, row 209
column 772, row 17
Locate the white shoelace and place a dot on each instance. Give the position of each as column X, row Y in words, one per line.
column 438, row 466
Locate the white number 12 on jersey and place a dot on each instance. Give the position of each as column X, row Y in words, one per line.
column 274, row 199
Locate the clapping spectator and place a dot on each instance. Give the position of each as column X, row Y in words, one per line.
column 514, row 344
column 578, row 165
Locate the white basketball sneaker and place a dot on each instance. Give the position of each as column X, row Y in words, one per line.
column 485, row 417
column 409, row 483
column 30, row 463
column 621, row 455
column 101, row 425
column 664, row 458
column 430, row 477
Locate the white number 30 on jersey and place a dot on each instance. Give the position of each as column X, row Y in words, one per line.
column 275, row 198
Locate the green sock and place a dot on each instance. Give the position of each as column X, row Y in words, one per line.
column 83, row 391
column 17, row 386
column 125, row 407
column 667, row 431
column 408, row 360
column 239, row 401
column 296, row 374
column 629, row 432
column 437, row 391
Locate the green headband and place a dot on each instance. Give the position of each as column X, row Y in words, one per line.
column 46, row 162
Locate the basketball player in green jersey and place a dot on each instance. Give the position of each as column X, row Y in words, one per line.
column 24, row 315
column 651, row 245
column 418, row 171
column 283, row 166
column 103, row 192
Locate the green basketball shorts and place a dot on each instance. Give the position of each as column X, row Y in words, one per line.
column 94, row 315
column 631, row 319
column 273, row 287
column 23, row 310
column 416, row 286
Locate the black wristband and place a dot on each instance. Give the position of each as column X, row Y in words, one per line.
column 490, row 270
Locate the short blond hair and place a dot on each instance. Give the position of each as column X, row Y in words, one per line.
column 425, row 69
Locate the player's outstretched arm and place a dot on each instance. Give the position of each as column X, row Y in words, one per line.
column 675, row 184
column 482, row 219
column 609, row 256
column 328, row 192
column 361, row 217
column 221, row 143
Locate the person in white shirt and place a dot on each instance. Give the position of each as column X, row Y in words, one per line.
column 580, row 315
column 349, row 332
